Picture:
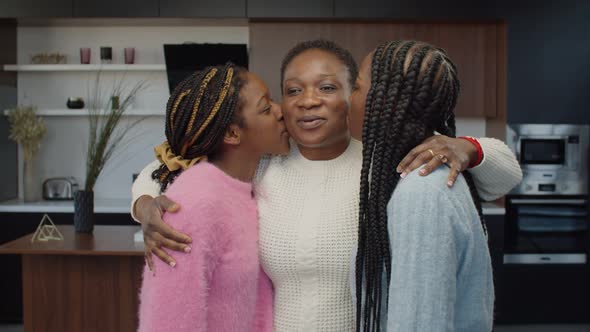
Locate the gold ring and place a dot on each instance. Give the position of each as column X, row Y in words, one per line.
column 431, row 152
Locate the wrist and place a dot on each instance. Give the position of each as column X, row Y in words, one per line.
column 140, row 206
column 476, row 155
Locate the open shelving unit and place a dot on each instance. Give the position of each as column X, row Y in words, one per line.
column 84, row 112
column 89, row 67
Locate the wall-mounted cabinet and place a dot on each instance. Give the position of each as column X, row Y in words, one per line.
column 474, row 47
column 202, row 8
column 115, row 8
column 35, row 8
column 291, row 9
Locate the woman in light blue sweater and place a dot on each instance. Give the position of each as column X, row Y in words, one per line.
column 423, row 262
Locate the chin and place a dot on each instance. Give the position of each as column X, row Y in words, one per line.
column 310, row 141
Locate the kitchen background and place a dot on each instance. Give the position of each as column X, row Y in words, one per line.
column 519, row 61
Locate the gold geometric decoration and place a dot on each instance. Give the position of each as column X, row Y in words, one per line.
column 46, row 231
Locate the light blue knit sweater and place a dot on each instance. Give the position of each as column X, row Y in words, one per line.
column 441, row 268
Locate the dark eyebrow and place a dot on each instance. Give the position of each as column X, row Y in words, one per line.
column 265, row 96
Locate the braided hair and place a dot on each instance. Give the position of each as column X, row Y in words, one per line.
column 323, row 45
column 414, row 89
column 198, row 114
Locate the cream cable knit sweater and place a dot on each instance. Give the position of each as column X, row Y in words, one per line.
column 308, row 228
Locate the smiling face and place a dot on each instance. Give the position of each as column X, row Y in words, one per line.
column 316, row 93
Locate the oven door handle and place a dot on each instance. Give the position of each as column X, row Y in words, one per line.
column 548, row 201
column 545, row 259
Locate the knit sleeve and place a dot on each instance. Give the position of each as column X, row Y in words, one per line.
column 144, row 185
column 498, row 172
column 426, row 247
column 175, row 299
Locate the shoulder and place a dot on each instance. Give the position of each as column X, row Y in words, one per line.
column 433, row 185
column 427, row 199
column 202, row 199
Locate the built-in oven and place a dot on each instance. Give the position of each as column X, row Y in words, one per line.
column 546, row 230
column 546, row 270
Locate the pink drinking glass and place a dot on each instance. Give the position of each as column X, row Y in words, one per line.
column 84, row 55
column 129, row 55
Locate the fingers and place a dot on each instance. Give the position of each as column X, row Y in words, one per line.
column 150, row 261
column 173, row 245
column 421, row 155
column 171, row 234
column 163, row 256
column 408, row 159
column 421, row 159
column 453, row 174
column 166, row 204
column 433, row 164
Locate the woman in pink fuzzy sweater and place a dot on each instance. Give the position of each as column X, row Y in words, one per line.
column 219, row 123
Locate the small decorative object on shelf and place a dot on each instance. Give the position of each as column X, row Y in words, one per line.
column 46, row 231
column 28, row 130
column 129, row 55
column 48, row 58
column 106, row 55
column 85, row 55
column 106, row 134
column 75, row 103
column 115, row 102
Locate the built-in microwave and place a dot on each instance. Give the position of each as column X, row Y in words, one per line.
column 554, row 158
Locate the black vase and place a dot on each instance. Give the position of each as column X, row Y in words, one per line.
column 84, row 211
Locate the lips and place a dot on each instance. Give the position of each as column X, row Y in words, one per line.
column 310, row 122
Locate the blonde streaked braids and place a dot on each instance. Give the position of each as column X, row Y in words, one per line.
column 198, row 113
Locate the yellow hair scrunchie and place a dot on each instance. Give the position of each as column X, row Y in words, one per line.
column 173, row 162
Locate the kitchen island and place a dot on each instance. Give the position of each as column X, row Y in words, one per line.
column 86, row 282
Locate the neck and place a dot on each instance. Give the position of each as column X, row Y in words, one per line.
column 330, row 152
column 237, row 164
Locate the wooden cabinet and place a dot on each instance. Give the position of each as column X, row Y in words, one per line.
column 472, row 46
column 15, row 225
column 202, row 8
column 298, row 9
column 115, row 8
column 35, row 8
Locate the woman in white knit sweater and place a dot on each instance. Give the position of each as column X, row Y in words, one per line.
column 308, row 201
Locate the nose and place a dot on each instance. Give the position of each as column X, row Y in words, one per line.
column 308, row 99
column 277, row 111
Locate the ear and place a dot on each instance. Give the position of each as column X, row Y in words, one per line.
column 233, row 135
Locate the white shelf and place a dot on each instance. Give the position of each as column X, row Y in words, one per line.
column 89, row 67
column 100, row 206
column 84, row 112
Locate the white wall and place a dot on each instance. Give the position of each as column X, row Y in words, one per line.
column 471, row 127
column 63, row 149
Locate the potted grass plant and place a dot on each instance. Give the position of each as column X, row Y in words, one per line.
column 106, row 134
column 27, row 130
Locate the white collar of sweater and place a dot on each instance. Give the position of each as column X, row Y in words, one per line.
column 353, row 152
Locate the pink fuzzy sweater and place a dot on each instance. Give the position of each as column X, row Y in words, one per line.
column 220, row 285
